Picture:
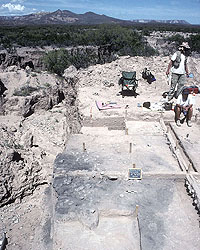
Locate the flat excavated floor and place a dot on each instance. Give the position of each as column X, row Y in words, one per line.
column 96, row 206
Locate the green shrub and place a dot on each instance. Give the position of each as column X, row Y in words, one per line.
column 178, row 39
column 74, row 35
column 58, row 60
column 194, row 42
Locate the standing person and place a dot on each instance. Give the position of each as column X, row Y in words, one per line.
column 178, row 68
column 184, row 104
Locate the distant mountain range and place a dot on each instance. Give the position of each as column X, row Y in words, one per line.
column 68, row 17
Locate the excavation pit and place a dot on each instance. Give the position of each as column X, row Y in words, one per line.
column 96, row 206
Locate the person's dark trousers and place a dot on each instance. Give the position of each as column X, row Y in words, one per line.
column 177, row 81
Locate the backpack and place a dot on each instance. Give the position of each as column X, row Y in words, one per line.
column 177, row 61
column 147, row 75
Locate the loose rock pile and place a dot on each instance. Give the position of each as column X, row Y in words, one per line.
column 194, row 191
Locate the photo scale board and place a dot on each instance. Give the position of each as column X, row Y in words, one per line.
column 135, row 173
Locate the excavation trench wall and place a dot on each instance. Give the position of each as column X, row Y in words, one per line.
column 33, row 129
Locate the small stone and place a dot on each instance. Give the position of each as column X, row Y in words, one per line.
column 16, row 221
column 13, row 129
column 112, row 177
column 121, row 195
column 131, row 191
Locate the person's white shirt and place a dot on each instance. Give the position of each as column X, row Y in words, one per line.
column 181, row 68
column 189, row 101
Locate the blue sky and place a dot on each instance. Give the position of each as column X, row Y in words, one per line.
column 188, row 10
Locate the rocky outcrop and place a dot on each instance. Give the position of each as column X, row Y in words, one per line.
column 33, row 57
column 20, row 171
column 49, row 113
column 21, row 58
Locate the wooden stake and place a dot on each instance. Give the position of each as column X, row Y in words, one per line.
column 177, row 144
column 136, row 210
column 84, row 148
column 91, row 112
column 126, row 112
column 189, row 167
column 167, row 129
column 130, row 150
column 126, row 131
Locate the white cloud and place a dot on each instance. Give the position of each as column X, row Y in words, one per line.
column 17, row 1
column 13, row 7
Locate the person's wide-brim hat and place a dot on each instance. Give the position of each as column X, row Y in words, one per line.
column 185, row 45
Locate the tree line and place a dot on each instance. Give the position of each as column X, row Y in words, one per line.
column 122, row 40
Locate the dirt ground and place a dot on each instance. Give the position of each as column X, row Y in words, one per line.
column 99, row 157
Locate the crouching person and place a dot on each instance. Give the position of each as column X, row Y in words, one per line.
column 184, row 104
